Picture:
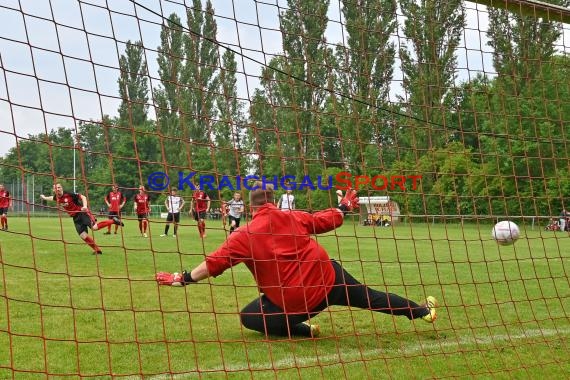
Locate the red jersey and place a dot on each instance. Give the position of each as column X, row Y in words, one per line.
column 115, row 200
column 142, row 202
column 200, row 201
column 69, row 202
column 4, row 199
column 289, row 266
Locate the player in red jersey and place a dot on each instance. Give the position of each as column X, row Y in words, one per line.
column 76, row 206
column 142, row 208
column 199, row 208
column 5, row 204
column 115, row 202
column 296, row 277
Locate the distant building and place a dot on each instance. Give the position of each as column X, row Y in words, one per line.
column 381, row 208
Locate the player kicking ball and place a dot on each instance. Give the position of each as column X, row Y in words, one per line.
column 76, row 206
column 295, row 275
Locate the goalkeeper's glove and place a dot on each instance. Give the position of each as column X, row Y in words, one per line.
column 349, row 202
column 174, row 279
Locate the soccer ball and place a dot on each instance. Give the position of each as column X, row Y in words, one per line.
column 506, row 232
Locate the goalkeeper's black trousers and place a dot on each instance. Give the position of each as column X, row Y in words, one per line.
column 264, row 316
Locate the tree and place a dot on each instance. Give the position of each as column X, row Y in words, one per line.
column 433, row 28
column 295, row 87
column 229, row 134
column 364, row 75
column 520, row 45
column 168, row 97
column 133, row 86
column 200, row 88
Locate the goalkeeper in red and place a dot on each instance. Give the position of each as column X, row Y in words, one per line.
column 76, row 206
column 294, row 274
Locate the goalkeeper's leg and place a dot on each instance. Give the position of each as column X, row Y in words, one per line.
column 349, row 292
column 263, row 316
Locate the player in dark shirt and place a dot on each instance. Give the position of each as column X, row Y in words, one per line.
column 76, row 206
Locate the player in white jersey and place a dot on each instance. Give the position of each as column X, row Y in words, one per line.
column 235, row 209
column 174, row 204
column 287, row 201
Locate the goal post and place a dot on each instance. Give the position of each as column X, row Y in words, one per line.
column 531, row 8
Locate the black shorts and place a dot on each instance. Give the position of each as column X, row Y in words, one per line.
column 142, row 216
column 237, row 220
column 83, row 221
column 198, row 215
column 173, row 217
column 3, row 210
column 113, row 214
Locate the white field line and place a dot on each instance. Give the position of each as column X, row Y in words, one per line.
column 346, row 355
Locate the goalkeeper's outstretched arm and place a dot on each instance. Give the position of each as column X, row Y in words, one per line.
column 199, row 273
column 181, row 279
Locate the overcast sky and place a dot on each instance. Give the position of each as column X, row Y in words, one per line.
column 59, row 58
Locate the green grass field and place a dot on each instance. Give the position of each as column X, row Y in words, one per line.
column 65, row 313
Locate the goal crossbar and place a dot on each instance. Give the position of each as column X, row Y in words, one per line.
column 547, row 11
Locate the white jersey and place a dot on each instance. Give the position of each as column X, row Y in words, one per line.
column 235, row 208
column 174, row 203
column 287, row 202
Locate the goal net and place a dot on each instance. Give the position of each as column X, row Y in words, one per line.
column 446, row 116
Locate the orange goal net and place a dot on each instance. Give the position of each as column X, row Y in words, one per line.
column 446, row 117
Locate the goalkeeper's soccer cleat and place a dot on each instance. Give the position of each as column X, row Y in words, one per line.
column 315, row 329
column 431, row 304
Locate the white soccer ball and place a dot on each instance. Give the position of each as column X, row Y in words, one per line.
column 506, row 232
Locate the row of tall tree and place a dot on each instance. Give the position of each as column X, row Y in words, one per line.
column 491, row 145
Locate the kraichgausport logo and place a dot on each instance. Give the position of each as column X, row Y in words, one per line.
column 159, row 181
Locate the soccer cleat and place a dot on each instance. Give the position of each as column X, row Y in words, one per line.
column 163, row 235
column 431, row 304
column 106, row 233
column 98, row 252
column 174, row 235
column 315, row 329
column 118, row 222
column 145, row 235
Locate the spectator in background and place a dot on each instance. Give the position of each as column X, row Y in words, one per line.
column 564, row 220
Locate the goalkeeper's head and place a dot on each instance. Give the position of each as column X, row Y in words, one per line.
column 262, row 194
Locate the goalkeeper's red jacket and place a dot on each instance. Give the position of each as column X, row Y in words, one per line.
column 289, row 266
